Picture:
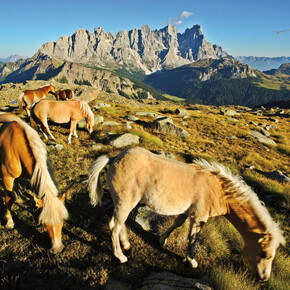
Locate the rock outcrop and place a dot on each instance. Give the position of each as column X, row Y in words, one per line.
column 142, row 49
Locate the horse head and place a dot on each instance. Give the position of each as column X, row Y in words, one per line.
column 260, row 254
column 90, row 118
column 55, row 230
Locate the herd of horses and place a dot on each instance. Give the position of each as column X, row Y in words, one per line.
column 64, row 109
column 194, row 191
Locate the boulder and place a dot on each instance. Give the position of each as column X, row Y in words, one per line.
column 148, row 114
column 125, row 140
column 167, row 281
column 278, row 175
column 262, row 138
column 182, row 112
column 228, row 112
column 165, row 125
column 147, row 219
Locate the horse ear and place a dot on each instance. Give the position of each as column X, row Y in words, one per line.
column 38, row 202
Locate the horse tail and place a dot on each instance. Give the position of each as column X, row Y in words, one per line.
column 94, row 183
column 54, row 210
column 20, row 101
column 33, row 119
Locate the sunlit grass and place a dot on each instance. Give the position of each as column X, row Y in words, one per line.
column 87, row 260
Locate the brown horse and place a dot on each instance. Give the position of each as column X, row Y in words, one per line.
column 64, row 95
column 23, row 155
column 198, row 191
column 29, row 97
column 61, row 112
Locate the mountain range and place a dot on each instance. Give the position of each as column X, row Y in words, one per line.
column 12, row 58
column 131, row 63
column 263, row 63
column 139, row 50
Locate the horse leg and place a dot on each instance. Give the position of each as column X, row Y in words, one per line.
column 123, row 234
column 9, row 199
column 194, row 230
column 45, row 125
column 72, row 130
column 119, row 232
column 116, row 240
column 124, row 238
column 179, row 221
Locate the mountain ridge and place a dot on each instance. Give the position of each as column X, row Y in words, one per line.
column 142, row 49
column 263, row 63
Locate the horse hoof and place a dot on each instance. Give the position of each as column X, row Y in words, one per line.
column 9, row 225
column 57, row 250
column 162, row 241
column 127, row 245
column 123, row 259
column 192, row 262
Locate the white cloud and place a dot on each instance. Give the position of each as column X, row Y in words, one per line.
column 177, row 21
column 282, row 31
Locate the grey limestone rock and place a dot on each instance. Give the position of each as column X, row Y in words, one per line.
column 125, row 140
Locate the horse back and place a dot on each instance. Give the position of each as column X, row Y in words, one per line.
column 167, row 186
column 57, row 111
column 32, row 96
column 15, row 154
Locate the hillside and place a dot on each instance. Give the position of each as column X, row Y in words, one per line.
column 220, row 82
column 142, row 64
column 87, row 261
column 44, row 67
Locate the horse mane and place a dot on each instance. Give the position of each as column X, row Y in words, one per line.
column 53, row 211
column 44, row 86
column 85, row 108
column 236, row 187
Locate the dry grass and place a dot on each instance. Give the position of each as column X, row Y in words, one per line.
column 87, row 260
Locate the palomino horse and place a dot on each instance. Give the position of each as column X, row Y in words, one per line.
column 29, row 97
column 61, row 112
column 23, row 155
column 64, row 94
column 198, row 191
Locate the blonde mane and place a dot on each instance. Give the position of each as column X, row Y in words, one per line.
column 53, row 211
column 235, row 186
column 85, row 108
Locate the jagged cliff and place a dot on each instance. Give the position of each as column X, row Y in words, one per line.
column 141, row 50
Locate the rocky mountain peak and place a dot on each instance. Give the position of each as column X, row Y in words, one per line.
column 142, row 49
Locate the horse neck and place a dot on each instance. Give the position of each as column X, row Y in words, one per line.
column 245, row 219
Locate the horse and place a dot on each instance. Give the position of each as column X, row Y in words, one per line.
column 23, row 155
column 61, row 112
column 64, row 94
column 199, row 190
column 29, row 97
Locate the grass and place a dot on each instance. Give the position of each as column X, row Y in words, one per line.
column 173, row 98
column 87, row 261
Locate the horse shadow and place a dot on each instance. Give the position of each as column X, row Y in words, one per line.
column 95, row 221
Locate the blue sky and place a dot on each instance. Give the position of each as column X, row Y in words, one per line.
column 241, row 27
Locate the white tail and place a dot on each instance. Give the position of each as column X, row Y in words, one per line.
column 54, row 210
column 94, row 184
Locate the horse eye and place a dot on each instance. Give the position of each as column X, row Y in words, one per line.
column 263, row 255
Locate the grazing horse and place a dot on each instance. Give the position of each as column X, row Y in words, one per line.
column 29, row 97
column 23, row 155
column 198, row 191
column 64, row 94
column 61, row 112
